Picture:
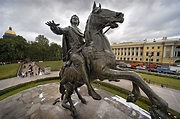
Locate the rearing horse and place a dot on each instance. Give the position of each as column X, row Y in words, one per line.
column 101, row 64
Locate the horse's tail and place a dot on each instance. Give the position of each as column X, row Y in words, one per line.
column 62, row 90
column 61, row 87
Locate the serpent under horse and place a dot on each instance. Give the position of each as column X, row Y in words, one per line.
column 101, row 63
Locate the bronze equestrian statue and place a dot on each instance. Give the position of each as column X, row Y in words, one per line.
column 72, row 42
column 100, row 64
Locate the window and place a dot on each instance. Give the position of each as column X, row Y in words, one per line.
column 136, row 58
column 151, row 59
column 136, row 53
column 141, row 53
column 157, row 60
column 147, row 47
column 146, row 59
column 127, row 58
column 140, row 59
column 131, row 58
column 152, row 53
column 158, row 53
column 124, row 58
column 147, row 53
column 153, row 47
column 158, row 47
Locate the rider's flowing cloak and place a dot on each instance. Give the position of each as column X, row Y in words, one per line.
column 65, row 47
column 66, row 43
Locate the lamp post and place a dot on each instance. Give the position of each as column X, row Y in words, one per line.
column 150, row 56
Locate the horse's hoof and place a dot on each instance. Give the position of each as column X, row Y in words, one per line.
column 57, row 100
column 83, row 101
column 158, row 113
column 94, row 95
column 131, row 98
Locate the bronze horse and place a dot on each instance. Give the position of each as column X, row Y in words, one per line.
column 102, row 65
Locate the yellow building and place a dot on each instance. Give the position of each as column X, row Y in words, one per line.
column 166, row 51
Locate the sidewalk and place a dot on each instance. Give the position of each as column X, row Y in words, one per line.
column 18, row 80
column 170, row 95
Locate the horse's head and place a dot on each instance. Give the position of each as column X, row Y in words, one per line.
column 104, row 17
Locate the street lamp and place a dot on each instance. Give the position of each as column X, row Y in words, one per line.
column 150, row 56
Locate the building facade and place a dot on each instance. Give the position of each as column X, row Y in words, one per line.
column 161, row 52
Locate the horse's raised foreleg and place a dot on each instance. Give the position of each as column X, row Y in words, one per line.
column 159, row 106
column 80, row 97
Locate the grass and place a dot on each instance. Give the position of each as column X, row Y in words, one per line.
column 8, row 70
column 55, row 65
column 166, row 81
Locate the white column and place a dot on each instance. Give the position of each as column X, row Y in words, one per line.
column 123, row 52
column 172, row 51
column 164, row 53
column 130, row 51
column 139, row 51
column 134, row 51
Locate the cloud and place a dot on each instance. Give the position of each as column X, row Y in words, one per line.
column 147, row 19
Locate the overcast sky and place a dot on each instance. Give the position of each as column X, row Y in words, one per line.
column 144, row 19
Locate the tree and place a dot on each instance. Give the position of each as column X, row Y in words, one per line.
column 12, row 49
column 55, row 51
column 42, row 40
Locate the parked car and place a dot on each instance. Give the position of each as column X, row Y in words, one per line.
column 141, row 67
column 162, row 70
column 148, row 66
column 153, row 70
column 123, row 65
column 136, row 64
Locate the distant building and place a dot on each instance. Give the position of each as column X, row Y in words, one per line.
column 166, row 51
column 9, row 33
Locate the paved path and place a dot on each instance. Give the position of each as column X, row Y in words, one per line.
column 170, row 95
column 17, row 80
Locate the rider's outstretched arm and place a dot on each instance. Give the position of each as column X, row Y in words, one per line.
column 59, row 30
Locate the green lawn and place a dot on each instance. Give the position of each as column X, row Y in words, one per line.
column 166, row 81
column 55, row 65
column 8, row 70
